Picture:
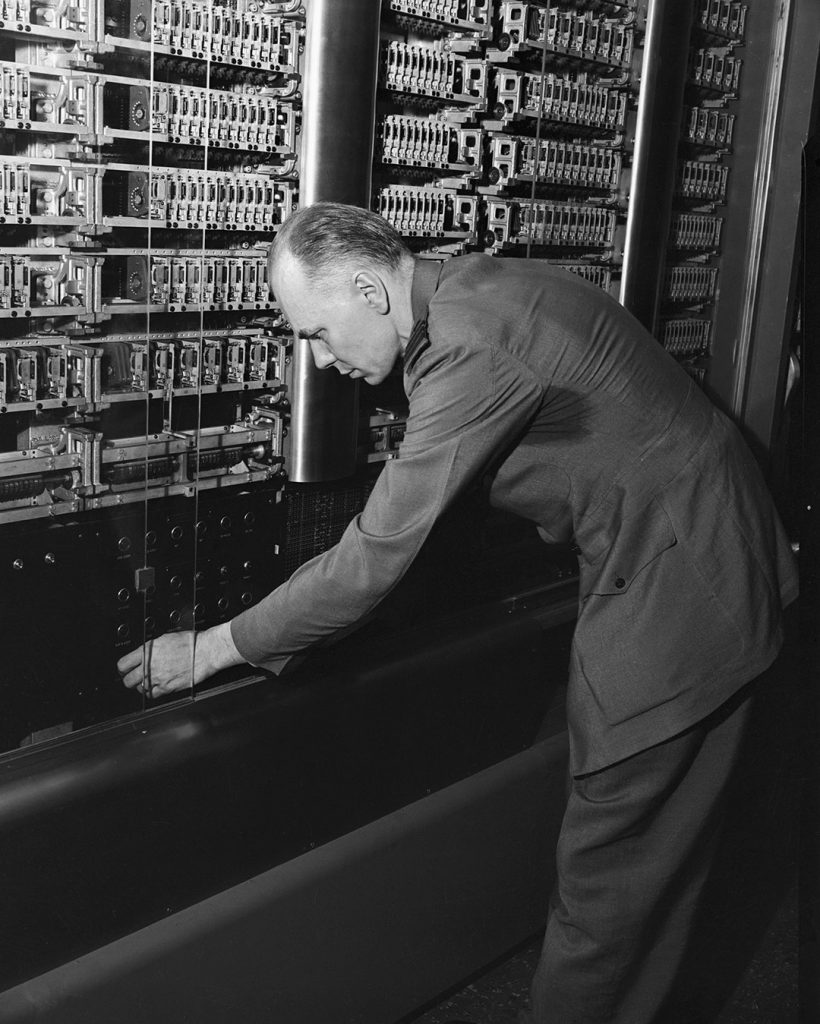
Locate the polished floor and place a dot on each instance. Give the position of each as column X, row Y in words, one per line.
column 766, row 994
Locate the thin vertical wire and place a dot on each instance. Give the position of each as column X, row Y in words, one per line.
column 147, row 404
column 196, row 451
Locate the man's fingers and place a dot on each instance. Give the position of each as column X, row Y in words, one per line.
column 130, row 661
column 135, row 667
column 133, row 678
column 161, row 665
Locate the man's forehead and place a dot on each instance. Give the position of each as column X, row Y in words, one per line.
column 288, row 275
column 292, row 290
column 299, row 285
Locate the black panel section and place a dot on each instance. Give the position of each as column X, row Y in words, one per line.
column 317, row 516
column 806, row 469
column 474, row 554
column 71, row 607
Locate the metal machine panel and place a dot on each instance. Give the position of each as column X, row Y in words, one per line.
column 243, row 775
column 332, row 913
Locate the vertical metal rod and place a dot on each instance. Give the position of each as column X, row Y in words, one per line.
column 339, row 108
column 654, row 167
column 761, row 194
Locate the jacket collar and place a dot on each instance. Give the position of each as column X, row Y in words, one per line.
column 425, row 281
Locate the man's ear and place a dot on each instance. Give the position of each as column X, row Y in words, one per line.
column 372, row 289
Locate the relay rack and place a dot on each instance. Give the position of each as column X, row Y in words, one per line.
column 503, row 130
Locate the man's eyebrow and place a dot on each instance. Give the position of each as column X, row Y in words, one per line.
column 306, row 334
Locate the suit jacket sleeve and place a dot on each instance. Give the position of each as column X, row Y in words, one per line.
column 467, row 403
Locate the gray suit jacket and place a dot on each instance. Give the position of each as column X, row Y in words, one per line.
column 577, row 418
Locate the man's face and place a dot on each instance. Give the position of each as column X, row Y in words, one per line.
column 343, row 325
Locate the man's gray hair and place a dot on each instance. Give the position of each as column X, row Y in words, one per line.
column 325, row 237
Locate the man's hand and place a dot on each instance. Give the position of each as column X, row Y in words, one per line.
column 177, row 661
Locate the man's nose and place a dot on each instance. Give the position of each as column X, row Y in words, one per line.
column 322, row 356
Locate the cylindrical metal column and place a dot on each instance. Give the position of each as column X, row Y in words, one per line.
column 660, row 106
column 341, row 66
